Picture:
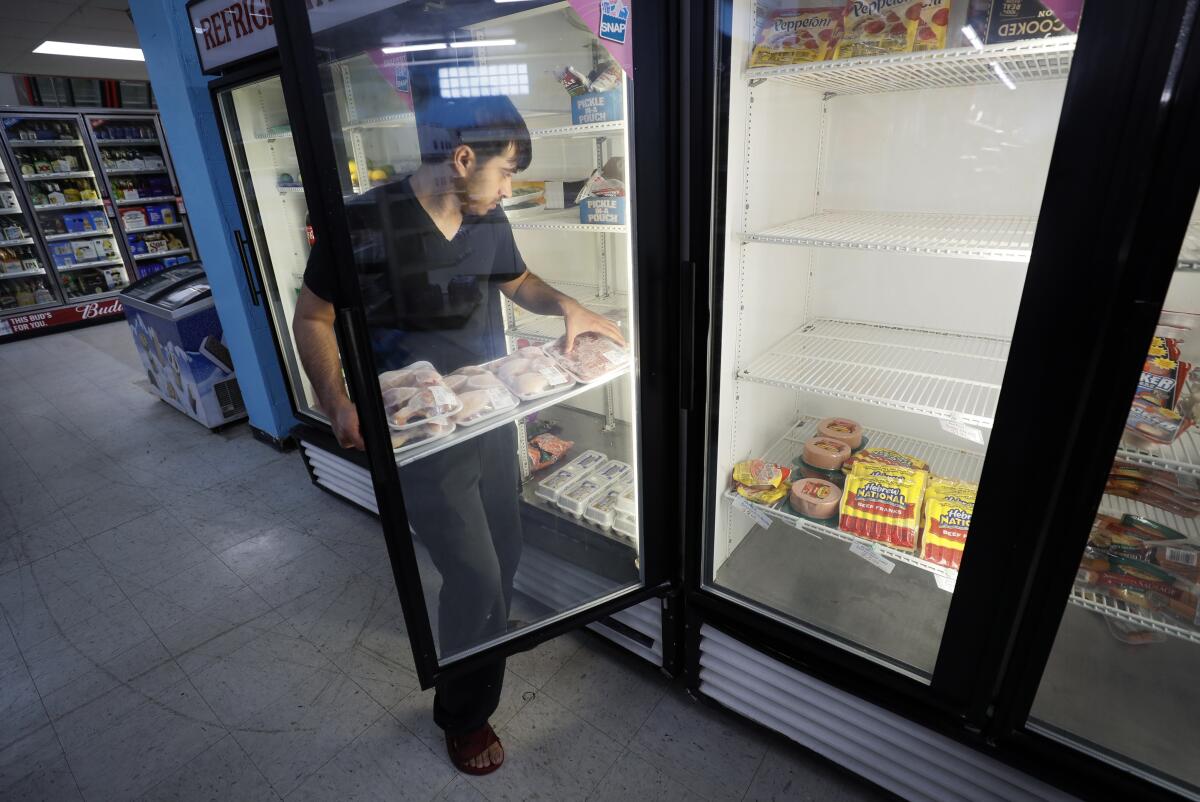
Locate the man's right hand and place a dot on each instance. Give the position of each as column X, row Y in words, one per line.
column 345, row 426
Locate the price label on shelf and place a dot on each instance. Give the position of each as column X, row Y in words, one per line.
column 964, row 430
column 945, row 582
column 753, row 512
column 872, row 555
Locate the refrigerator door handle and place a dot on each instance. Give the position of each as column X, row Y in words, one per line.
column 687, row 332
column 241, row 242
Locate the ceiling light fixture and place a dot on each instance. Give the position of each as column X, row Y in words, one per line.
column 485, row 43
column 89, row 51
column 415, row 48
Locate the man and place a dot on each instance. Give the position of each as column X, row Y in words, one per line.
column 430, row 251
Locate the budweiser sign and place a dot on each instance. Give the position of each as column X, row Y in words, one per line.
column 50, row 318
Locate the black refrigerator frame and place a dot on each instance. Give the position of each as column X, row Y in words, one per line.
column 1121, row 182
column 258, row 283
column 658, row 310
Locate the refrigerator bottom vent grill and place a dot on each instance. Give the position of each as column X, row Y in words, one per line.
column 341, row 477
column 545, row 578
column 229, row 396
column 888, row 750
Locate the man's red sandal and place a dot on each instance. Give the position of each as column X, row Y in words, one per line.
column 463, row 748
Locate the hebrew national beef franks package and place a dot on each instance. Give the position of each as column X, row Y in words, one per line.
column 883, row 503
column 807, row 31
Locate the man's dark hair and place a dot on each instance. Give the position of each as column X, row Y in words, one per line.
column 490, row 125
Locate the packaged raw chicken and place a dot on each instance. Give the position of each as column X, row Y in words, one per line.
column 883, row 503
column 416, row 435
column 480, row 405
column 807, row 31
column 436, row 402
column 879, row 27
column 530, row 374
column 547, row 449
column 948, row 508
column 418, row 374
column 593, row 357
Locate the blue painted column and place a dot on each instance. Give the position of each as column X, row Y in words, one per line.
column 194, row 137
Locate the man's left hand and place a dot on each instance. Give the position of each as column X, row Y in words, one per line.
column 580, row 319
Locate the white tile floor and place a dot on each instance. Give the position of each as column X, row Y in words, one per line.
column 186, row 617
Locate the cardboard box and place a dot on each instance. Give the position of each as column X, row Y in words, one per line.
column 596, row 107
column 602, row 211
column 561, row 194
column 62, row 253
column 1000, row 21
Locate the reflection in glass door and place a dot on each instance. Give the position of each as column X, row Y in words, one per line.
column 483, row 163
column 884, row 175
column 259, row 137
column 1121, row 678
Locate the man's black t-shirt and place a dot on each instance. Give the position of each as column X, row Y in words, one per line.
column 426, row 297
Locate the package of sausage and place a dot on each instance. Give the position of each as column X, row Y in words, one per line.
column 882, row 503
column 948, row 508
column 885, row 456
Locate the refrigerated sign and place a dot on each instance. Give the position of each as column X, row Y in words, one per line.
column 32, row 322
column 229, row 31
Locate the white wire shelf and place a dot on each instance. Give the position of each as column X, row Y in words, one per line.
column 1114, row 608
column 46, row 143
column 145, row 229
column 155, row 199
column 87, row 265
column 1003, row 65
column 963, row 236
column 106, row 143
column 1118, row 506
column 177, row 252
column 53, row 207
column 23, row 273
column 544, row 328
column 77, row 234
column 1189, row 254
column 9, row 243
column 588, row 131
column 137, row 170
column 1182, row 456
column 940, row 374
column 263, row 136
column 53, row 176
column 525, row 408
column 563, row 220
column 383, row 121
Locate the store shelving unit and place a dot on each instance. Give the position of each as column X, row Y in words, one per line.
column 1017, row 62
column 1114, row 608
column 139, row 201
column 46, row 143
column 544, row 328
column 942, row 375
column 563, row 220
column 76, row 235
column 1007, row 239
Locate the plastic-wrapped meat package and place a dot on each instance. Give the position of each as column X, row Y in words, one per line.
column 593, row 357
column 429, row 403
column 530, row 374
column 479, row 405
column 546, row 450
column 418, row 374
column 416, row 435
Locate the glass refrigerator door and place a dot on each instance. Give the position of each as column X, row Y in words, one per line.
column 137, row 167
column 884, row 171
column 64, row 194
column 259, row 138
column 24, row 281
column 1121, row 678
column 473, row 146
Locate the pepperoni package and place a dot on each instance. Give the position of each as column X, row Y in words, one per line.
column 803, row 33
column 932, row 25
column 879, row 27
column 883, row 503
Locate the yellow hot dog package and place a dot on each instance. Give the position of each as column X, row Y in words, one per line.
column 948, row 507
column 883, row 503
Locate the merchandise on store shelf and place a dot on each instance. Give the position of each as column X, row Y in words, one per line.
column 882, row 503
column 1159, row 413
column 825, row 453
column 593, row 357
column 1167, row 491
column 803, row 32
column 602, row 510
column 550, row 488
column 1000, row 21
column 546, row 450
column 530, row 373
column 415, row 436
column 885, row 456
column 576, row 497
column 815, row 498
column 879, row 27
column 760, row 481
column 433, row 400
column 948, row 507
column 481, row 405
column 848, row 431
column 933, row 25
